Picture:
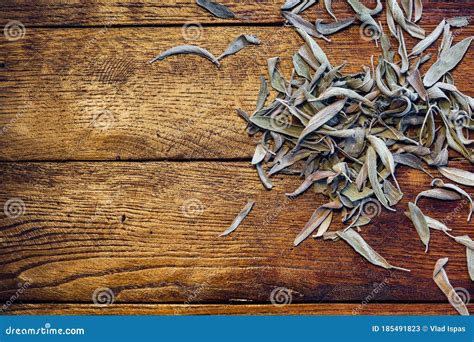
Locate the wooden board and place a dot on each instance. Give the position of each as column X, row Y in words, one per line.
column 243, row 309
column 167, row 12
column 89, row 94
column 149, row 232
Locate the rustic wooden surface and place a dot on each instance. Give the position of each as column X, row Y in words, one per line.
column 176, row 12
column 219, row 309
column 128, row 172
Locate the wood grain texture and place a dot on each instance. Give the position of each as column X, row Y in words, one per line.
column 168, row 12
column 149, row 232
column 89, row 94
column 219, row 309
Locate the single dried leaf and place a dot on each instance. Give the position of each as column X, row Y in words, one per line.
column 384, row 153
column 419, row 221
column 373, row 177
column 440, row 184
column 262, row 94
column 441, row 194
column 328, row 6
column 430, row 39
column 362, row 247
column 239, row 43
column 239, row 218
column 457, row 175
column 263, row 177
column 441, row 279
column 276, row 80
column 320, row 118
column 218, row 10
column 331, row 28
column 186, row 49
column 446, row 62
column 272, row 124
column 435, row 224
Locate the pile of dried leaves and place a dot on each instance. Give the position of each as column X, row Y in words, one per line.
column 347, row 134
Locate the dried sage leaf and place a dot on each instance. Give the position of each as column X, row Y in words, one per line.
column 328, row 6
column 373, row 177
column 218, row 10
column 419, row 221
column 239, row 43
column 331, row 28
column 186, row 49
column 457, row 175
column 441, row 279
column 262, row 94
column 239, row 218
column 429, row 40
column 363, row 248
column 446, row 62
column 263, row 177
column 276, row 80
column 440, row 184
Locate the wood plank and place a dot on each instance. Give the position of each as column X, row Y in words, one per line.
column 89, row 94
column 167, row 12
column 218, row 309
column 149, row 233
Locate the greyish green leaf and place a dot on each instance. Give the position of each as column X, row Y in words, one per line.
column 186, row 49
column 446, row 62
column 419, row 221
column 363, row 248
column 218, row 10
column 441, row 279
column 238, row 44
column 239, row 218
column 457, row 175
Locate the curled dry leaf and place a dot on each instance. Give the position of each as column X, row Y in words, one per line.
column 441, row 279
column 440, row 184
column 186, row 49
column 239, row 218
column 331, row 28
